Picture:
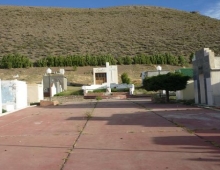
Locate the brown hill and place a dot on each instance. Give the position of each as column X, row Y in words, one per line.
column 38, row 32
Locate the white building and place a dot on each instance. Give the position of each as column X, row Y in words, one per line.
column 56, row 79
column 206, row 71
column 108, row 75
column 106, row 78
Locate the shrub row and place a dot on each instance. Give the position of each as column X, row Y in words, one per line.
column 19, row 61
column 15, row 61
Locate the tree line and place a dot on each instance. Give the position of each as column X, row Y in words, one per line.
column 15, row 61
column 20, row 61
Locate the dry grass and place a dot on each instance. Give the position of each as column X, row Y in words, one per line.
column 83, row 75
column 38, row 32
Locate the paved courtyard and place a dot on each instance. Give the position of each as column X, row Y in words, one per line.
column 111, row 135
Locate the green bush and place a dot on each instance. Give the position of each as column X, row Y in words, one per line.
column 98, row 98
column 20, row 61
column 99, row 90
column 15, row 61
column 70, row 92
column 77, row 93
column 120, row 90
column 59, row 94
column 35, row 103
column 4, row 111
column 140, row 90
column 189, row 102
column 125, row 78
column 74, row 68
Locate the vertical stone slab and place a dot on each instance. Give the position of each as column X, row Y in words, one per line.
column 21, row 94
column 202, row 88
column 196, row 92
column 53, row 90
column 209, row 92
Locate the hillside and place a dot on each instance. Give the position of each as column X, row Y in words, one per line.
column 38, row 32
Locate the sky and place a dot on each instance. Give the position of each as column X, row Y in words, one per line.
column 209, row 8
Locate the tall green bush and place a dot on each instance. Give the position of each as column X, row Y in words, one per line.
column 125, row 78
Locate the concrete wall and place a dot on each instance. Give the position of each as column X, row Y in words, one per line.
column 21, row 95
column 53, row 79
column 209, row 91
column 131, row 87
column 215, row 83
column 8, row 95
column 35, row 92
column 112, row 74
column 187, row 93
column 56, row 79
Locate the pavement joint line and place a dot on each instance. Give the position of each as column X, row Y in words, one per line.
column 176, row 124
column 80, row 134
column 213, row 143
column 181, row 126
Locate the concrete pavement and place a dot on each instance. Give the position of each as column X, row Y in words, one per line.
column 121, row 134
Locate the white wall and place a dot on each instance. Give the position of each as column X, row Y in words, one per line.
column 21, row 94
column 111, row 73
column 187, row 93
column 14, row 94
column 8, row 88
column 209, row 92
column 215, row 82
column 215, row 87
column 86, row 89
column 35, row 93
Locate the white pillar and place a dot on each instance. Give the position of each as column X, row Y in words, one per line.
column 108, row 74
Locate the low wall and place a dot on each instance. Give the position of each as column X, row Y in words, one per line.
column 114, row 95
column 44, row 103
column 88, row 89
